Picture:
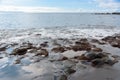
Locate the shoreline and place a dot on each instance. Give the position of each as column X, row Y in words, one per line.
column 60, row 54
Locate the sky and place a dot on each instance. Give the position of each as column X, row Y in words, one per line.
column 60, row 5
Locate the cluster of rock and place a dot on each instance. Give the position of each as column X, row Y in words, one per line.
column 94, row 55
column 113, row 40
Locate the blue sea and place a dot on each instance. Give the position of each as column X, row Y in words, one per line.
column 40, row 20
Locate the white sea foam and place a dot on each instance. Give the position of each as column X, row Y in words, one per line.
column 37, row 34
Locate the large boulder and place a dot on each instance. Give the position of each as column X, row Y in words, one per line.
column 19, row 51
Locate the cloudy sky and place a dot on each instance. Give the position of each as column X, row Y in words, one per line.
column 60, row 5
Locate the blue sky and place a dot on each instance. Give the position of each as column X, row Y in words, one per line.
column 60, row 5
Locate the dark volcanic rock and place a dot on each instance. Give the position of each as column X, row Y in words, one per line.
column 58, row 49
column 42, row 52
column 97, row 62
column 64, row 58
column 69, row 71
column 17, row 61
column 81, row 47
column 109, row 39
column 97, row 50
column 63, row 77
column 19, row 51
column 97, row 41
column 113, row 40
column 45, row 44
column 110, row 62
column 93, row 55
column 82, row 57
column 83, row 44
column 3, row 47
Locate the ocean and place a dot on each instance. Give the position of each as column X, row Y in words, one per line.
column 42, row 20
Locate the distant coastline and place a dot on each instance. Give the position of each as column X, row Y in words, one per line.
column 113, row 13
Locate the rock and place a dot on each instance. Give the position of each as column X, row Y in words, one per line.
column 1, row 57
column 109, row 39
column 63, row 77
column 97, row 62
column 110, row 62
column 44, row 44
column 27, row 45
column 58, row 49
column 32, row 50
column 81, row 47
column 113, row 40
column 97, row 41
column 19, row 51
column 63, row 58
column 82, row 57
column 17, row 61
column 42, row 52
column 92, row 55
column 3, row 47
column 68, row 48
column 117, row 57
column 69, row 71
column 97, row 50
column 115, row 44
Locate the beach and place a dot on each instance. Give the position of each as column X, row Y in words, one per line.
column 66, row 53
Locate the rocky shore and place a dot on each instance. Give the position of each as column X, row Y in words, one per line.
column 67, row 56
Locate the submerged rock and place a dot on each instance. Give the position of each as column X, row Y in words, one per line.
column 58, row 49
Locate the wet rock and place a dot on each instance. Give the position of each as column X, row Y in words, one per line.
column 68, row 48
column 97, row 41
column 92, row 55
column 82, row 57
column 1, row 57
column 69, row 71
column 81, row 47
column 17, row 61
column 45, row 44
column 115, row 44
column 19, row 51
column 42, row 52
column 27, row 45
column 110, row 62
column 109, row 39
column 116, row 57
column 97, row 62
column 32, row 50
column 63, row 77
column 3, row 47
column 97, row 50
column 58, row 49
column 63, row 58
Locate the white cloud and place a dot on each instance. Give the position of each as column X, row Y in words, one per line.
column 30, row 9
column 109, row 5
